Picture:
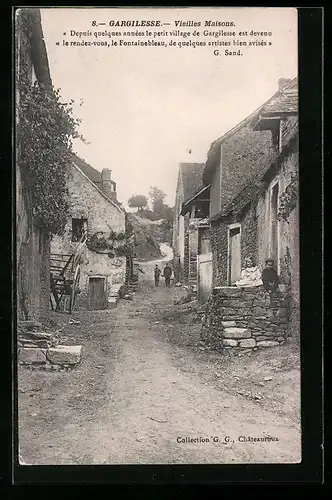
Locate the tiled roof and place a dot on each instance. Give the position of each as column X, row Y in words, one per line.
column 191, row 178
column 257, row 183
column 285, row 101
column 93, row 174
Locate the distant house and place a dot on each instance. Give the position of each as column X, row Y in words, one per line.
column 185, row 241
column 253, row 172
column 94, row 209
column 32, row 241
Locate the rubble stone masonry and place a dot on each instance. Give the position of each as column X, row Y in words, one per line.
column 219, row 241
column 239, row 319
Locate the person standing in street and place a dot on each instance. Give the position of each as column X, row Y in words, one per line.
column 157, row 273
column 167, row 275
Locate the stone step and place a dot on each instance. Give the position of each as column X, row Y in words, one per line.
column 60, row 355
column 112, row 302
column 236, row 333
column 64, row 354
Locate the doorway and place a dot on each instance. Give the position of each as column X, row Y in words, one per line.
column 97, row 293
column 234, row 254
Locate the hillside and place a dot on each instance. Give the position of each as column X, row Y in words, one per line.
column 148, row 236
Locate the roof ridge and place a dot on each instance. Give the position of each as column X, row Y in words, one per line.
column 112, row 202
column 249, row 117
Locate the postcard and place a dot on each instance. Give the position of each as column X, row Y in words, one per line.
column 157, row 235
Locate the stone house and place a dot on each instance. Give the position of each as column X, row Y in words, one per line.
column 185, row 236
column 94, row 209
column 32, row 241
column 254, row 203
column 277, row 201
column 234, row 169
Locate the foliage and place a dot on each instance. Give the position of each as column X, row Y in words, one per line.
column 157, row 197
column 288, row 199
column 97, row 241
column 124, row 250
column 103, row 242
column 149, row 214
column 156, row 194
column 45, row 132
column 138, row 201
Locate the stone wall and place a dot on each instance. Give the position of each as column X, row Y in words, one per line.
column 289, row 241
column 32, row 260
column 242, row 319
column 219, row 242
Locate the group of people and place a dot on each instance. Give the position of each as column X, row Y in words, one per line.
column 167, row 274
column 251, row 275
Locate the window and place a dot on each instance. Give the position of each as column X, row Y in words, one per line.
column 79, row 226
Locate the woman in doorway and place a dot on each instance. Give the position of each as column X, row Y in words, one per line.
column 250, row 275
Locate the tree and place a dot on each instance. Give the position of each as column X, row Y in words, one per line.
column 157, row 197
column 138, row 201
column 46, row 129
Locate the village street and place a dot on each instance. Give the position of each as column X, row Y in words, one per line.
column 137, row 393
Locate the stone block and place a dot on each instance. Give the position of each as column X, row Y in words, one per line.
column 28, row 343
column 227, row 324
column 227, row 291
column 245, row 311
column 237, row 333
column 259, row 311
column 267, row 343
column 281, row 313
column 259, row 302
column 44, row 344
column 261, row 336
column 31, row 355
column 112, row 302
column 230, row 342
column 228, row 311
column 235, row 302
column 248, row 296
column 247, row 343
column 40, row 335
column 253, row 289
column 64, row 354
column 28, row 324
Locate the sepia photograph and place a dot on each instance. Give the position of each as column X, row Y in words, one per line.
column 157, row 236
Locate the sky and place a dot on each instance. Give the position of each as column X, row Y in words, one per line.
column 145, row 108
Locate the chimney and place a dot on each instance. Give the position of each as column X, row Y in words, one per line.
column 107, row 185
column 283, row 82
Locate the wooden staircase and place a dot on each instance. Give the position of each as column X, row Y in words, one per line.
column 64, row 279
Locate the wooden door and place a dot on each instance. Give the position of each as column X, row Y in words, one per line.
column 204, row 241
column 234, row 256
column 97, row 293
column 204, row 276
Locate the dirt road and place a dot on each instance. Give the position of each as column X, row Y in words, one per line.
column 137, row 398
